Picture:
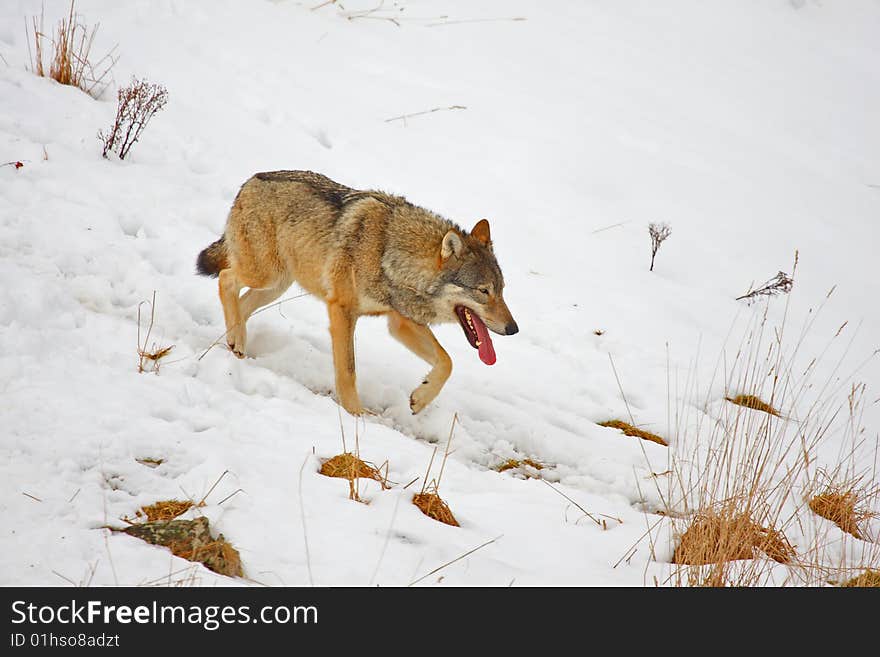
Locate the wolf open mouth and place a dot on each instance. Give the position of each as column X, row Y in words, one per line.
column 476, row 333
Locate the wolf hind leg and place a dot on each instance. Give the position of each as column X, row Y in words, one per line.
column 230, row 288
column 421, row 341
column 342, row 323
column 254, row 299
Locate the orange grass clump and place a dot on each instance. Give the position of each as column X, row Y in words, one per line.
column 839, row 506
column 728, row 534
column 868, row 579
column 630, row 430
column 512, row 464
column 348, row 466
column 166, row 510
column 432, row 506
column 750, row 401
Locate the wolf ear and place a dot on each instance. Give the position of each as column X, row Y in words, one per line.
column 451, row 246
column 481, row 232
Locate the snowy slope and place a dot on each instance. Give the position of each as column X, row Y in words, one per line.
column 749, row 126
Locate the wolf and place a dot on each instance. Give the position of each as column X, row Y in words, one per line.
column 363, row 252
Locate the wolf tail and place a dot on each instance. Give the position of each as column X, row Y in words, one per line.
column 213, row 259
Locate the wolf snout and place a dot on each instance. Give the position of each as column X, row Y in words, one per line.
column 511, row 328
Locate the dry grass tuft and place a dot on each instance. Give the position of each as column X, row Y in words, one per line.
column 432, row 506
column 70, row 62
column 428, row 499
column 350, row 467
column 630, row 430
column 868, row 579
column 150, row 461
column 753, row 402
column 729, row 533
column 166, row 510
column 517, row 464
column 846, row 505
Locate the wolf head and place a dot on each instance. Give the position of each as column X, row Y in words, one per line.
column 473, row 288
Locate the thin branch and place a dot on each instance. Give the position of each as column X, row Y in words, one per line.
column 449, row 563
column 404, row 117
column 302, row 512
column 586, row 513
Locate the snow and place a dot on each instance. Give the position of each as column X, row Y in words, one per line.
column 750, row 127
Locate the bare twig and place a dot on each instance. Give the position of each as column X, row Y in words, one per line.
column 256, row 312
column 404, row 117
column 585, row 512
column 211, row 489
column 449, row 563
column 477, row 20
column 302, row 512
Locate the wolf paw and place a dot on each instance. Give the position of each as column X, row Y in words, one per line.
column 238, row 353
column 421, row 397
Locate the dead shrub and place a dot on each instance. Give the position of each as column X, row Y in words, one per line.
column 136, row 105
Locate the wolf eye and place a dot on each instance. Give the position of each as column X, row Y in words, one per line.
column 483, row 290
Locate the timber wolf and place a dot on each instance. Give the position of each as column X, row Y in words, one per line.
column 363, row 253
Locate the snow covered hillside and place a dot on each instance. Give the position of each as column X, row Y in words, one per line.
column 749, row 126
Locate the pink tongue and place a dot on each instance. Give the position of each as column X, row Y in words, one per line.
column 486, row 350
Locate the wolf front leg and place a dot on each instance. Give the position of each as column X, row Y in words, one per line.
column 342, row 323
column 421, row 341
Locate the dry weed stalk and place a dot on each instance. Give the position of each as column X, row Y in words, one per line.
column 659, row 233
column 779, row 284
column 70, row 62
column 156, row 353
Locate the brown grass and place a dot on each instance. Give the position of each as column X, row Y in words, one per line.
column 630, row 430
column 845, row 505
column 218, row 555
column 166, row 510
column 150, row 461
column 729, row 533
column 70, row 62
column 432, row 506
column 513, row 464
column 350, row 467
column 868, row 579
column 750, row 401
